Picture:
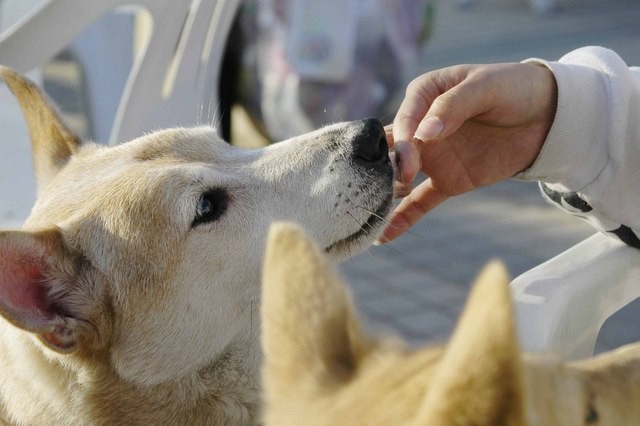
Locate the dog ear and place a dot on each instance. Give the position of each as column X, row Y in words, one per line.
column 31, row 294
column 479, row 380
column 310, row 333
column 52, row 142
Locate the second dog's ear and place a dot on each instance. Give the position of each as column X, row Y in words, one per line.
column 479, row 379
column 52, row 141
column 310, row 333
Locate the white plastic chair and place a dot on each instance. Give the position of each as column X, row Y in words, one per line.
column 562, row 304
column 174, row 79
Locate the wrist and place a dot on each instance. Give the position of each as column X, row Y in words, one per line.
column 544, row 107
column 573, row 148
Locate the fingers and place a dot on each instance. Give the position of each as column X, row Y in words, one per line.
column 436, row 104
column 400, row 189
column 411, row 209
column 419, row 95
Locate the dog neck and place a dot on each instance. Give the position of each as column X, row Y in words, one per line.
column 40, row 388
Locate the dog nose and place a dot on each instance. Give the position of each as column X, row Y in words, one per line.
column 370, row 144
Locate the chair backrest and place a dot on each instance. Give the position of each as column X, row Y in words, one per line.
column 174, row 78
column 562, row 304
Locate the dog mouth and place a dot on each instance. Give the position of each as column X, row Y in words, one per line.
column 367, row 229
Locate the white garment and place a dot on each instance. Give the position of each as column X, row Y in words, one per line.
column 590, row 162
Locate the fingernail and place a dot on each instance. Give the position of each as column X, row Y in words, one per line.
column 429, row 128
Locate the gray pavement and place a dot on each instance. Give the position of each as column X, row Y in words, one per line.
column 416, row 285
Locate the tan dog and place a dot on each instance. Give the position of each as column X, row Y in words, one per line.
column 320, row 369
column 131, row 294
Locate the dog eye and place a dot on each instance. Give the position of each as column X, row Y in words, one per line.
column 211, row 206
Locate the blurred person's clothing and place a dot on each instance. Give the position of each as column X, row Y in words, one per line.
column 309, row 63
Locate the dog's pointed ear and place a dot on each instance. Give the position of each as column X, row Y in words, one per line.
column 52, row 141
column 31, row 294
column 479, row 380
column 310, row 333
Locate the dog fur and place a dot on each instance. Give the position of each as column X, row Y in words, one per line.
column 321, row 369
column 131, row 294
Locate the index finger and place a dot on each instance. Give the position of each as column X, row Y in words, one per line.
column 419, row 96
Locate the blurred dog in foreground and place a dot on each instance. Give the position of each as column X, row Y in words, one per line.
column 321, row 369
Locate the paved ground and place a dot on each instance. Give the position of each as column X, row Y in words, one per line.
column 416, row 285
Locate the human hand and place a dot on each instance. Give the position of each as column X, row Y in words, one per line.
column 465, row 127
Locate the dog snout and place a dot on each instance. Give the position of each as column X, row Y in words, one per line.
column 370, row 144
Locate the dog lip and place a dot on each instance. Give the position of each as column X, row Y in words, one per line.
column 373, row 220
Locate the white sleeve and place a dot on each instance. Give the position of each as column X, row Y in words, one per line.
column 590, row 162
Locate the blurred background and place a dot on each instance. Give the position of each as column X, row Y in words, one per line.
column 283, row 67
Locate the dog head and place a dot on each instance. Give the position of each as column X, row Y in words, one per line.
column 148, row 254
column 321, row 369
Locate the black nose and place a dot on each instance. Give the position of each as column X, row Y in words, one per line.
column 370, row 143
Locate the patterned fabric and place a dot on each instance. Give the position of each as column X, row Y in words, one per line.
column 574, row 204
